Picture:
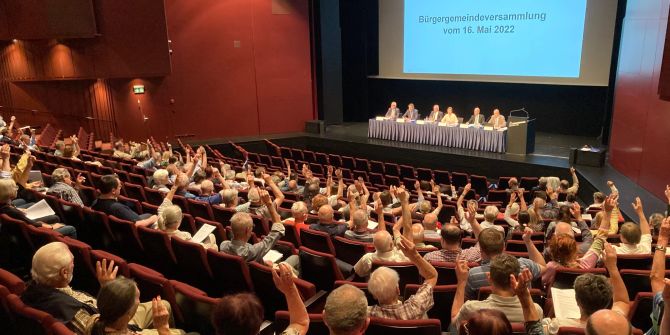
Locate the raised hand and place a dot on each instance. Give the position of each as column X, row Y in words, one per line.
column 402, row 194
column 667, row 192
column 265, row 197
column 610, row 183
column 637, row 205
column 512, row 197
column 160, row 314
column 462, row 271
column 527, row 232
column 5, row 151
column 267, row 178
column 467, row 188
column 407, row 247
column 379, row 208
column 330, row 170
column 520, row 284
column 338, row 174
column 576, row 211
column 610, row 203
column 417, row 185
column 105, row 272
column 282, row 276
column 609, row 257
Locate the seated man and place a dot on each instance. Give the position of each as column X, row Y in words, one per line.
column 108, row 203
column 255, row 205
column 635, row 239
column 243, row 226
column 497, row 120
column 359, row 231
column 502, row 269
column 49, row 291
column 430, row 229
column 492, row 244
column 411, row 113
column 435, row 114
column 451, row 247
column 328, row 224
column 62, row 186
column 393, row 112
column 385, row 250
column 298, row 216
column 593, row 293
column 418, row 238
column 346, row 311
column 476, row 118
column 565, row 185
column 383, row 285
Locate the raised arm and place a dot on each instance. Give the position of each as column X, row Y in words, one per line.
column 665, row 322
column 644, row 224
column 470, row 215
column 283, row 279
column 522, row 201
column 340, row 183
column 621, row 302
column 462, row 272
column 520, row 287
column 5, row 154
column 436, row 191
column 575, row 181
column 657, row 274
column 279, row 196
column 406, row 218
column 265, row 198
column 426, row 270
column 534, row 254
column 459, row 202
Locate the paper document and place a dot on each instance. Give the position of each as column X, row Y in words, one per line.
column 203, row 233
column 565, row 304
column 273, row 256
column 372, row 224
column 39, row 210
column 35, row 175
column 587, row 217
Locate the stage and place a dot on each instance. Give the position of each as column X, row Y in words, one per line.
column 551, row 158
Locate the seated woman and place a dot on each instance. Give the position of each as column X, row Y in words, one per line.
column 120, row 312
column 563, row 252
column 8, row 190
column 170, row 217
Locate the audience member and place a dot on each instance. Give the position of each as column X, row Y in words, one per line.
column 635, row 239
column 593, row 293
column 242, row 313
column 298, row 216
column 170, row 218
column 451, row 251
column 63, row 186
column 502, row 269
column 243, row 225
column 383, row 286
column 49, row 291
column 327, row 222
column 108, row 203
column 492, row 244
column 346, row 311
column 660, row 286
column 119, row 306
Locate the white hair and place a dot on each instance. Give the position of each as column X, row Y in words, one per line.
column 48, row 261
column 299, row 207
column 383, row 284
column 490, row 213
column 161, row 174
column 228, row 196
column 60, row 174
column 554, row 182
column 360, row 218
column 170, row 217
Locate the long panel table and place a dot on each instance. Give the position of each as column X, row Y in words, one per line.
column 433, row 134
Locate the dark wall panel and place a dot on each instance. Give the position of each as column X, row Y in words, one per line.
column 43, row 19
column 640, row 141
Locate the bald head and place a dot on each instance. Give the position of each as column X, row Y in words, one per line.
column 52, row 265
column 360, row 219
column 383, row 241
column 430, row 221
column 564, row 228
column 607, row 322
column 417, row 233
column 325, row 214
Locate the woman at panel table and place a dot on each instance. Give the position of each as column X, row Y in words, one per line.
column 450, row 118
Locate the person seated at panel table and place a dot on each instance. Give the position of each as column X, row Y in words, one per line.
column 450, row 117
column 477, row 119
column 411, row 113
column 393, row 112
column 497, row 120
column 435, row 114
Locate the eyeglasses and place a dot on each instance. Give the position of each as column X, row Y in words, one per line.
column 465, row 326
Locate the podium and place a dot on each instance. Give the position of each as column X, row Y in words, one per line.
column 520, row 135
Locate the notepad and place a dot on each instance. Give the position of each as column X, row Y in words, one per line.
column 565, row 304
column 372, row 224
column 379, row 118
column 203, row 233
column 39, row 210
column 273, row 256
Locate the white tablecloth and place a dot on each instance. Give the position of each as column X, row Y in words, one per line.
column 433, row 134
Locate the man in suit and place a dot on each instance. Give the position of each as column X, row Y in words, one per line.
column 435, row 114
column 411, row 113
column 497, row 120
column 393, row 112
column 476, row 118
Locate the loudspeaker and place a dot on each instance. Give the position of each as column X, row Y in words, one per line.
column 315, row 127
column 588, row 158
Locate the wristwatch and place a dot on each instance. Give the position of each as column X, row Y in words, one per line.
column 659, row 248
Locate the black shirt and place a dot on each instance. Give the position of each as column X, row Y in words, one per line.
column 114, row 207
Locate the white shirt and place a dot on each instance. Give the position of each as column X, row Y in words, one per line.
column 642, row 248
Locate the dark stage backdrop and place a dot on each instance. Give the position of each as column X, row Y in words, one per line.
column 575, row 110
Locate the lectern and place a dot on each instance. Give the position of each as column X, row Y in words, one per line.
column 520, row 135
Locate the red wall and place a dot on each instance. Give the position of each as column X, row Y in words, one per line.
column 214, row 90
column 640, row 139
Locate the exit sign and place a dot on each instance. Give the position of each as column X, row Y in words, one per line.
column 138, row 89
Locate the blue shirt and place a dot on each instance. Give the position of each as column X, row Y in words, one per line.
column 477, row 276
column 333, row 229
column 213, row 199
